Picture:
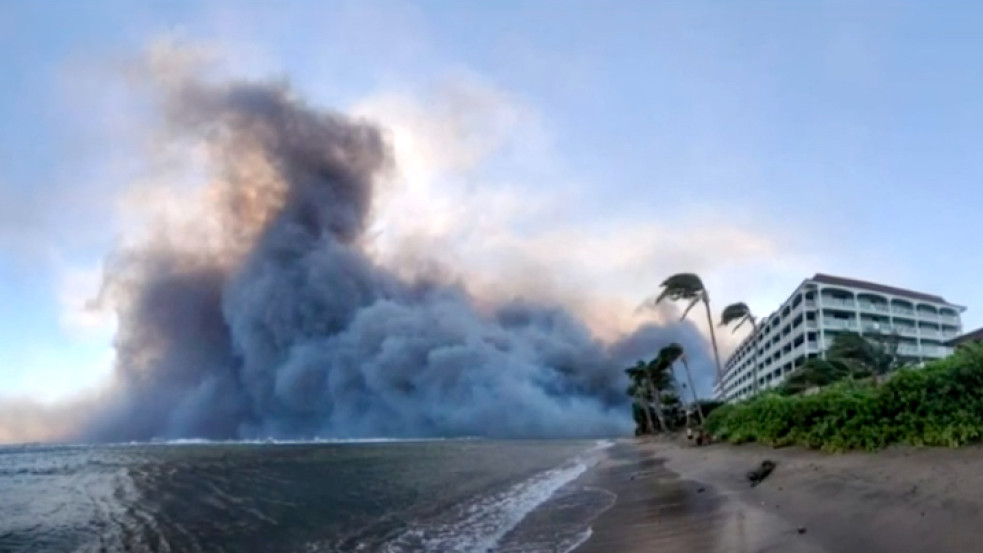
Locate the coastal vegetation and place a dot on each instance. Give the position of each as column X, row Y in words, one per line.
column 688, row 287
column 861, row 394
column 937, row 404
column 657, row 403
column 660, row 402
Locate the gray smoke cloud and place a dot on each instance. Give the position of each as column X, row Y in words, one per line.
column 279, row 324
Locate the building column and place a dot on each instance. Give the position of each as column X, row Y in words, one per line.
column 819, row 322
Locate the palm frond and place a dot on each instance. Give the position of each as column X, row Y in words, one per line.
column 736, row 312
column 689, row 307
column 671, row 353
column 681, row 286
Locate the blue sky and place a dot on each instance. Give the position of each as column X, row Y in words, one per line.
column 755, row 142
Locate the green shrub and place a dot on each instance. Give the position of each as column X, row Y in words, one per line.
column 938, row 405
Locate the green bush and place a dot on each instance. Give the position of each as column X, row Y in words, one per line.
column 938, row 405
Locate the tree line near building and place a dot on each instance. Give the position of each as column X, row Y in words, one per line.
column 861, row 395
column 659, row 401
column 938, row 404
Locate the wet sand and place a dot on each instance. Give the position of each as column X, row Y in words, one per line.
column 672, row 497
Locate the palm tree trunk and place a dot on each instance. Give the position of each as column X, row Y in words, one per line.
column 696, row 400
column 657, row 405
column 643, row 405
column 713, row 338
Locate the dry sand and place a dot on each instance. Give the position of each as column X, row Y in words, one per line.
column 677, row 498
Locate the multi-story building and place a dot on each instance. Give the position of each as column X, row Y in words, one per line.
column 823, row 306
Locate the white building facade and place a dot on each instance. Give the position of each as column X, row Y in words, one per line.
column 824, row 306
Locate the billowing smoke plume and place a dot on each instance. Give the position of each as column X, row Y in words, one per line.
column 264, row 316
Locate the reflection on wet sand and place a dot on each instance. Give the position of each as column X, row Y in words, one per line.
column 657, row 510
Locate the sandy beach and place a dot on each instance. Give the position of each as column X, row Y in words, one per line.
column 672, row 497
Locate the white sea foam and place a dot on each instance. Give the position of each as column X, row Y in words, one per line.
column 580, row 539
column 480, row 524
column 273, row 441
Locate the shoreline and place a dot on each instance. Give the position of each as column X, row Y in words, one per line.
column 675, row 497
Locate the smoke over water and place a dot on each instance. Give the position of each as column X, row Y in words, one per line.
column 261, row 314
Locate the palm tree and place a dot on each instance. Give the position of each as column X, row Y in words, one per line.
column 849, row 356
column 816, row 372
column 672, row 353
column 638, row 390
column 741, row 313
column 658, row 380
column 689, row 287
column 876, row 354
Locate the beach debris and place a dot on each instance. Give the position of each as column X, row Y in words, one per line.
column 802, row 530
column 760, row 473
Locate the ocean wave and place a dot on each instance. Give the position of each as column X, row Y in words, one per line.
column 480, row 524
column 275, row 441
column 579, row 540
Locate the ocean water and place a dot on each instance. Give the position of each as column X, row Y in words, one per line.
column 392, row 497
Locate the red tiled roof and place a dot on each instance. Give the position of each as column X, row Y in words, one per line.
column 974, row 336
column 840, row 281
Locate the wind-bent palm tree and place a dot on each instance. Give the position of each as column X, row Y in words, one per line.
column 672, row 353
column 658, row 380
column 688, row 286
column 638, row 390
column 741, row 313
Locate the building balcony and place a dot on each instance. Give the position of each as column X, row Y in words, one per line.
column 925, row 350
column 928, row 316
column 906, row 349
column 906, row 330
column 882, row 328
column 903, row 311
column 949, row 319
column 873, row 307
column 833, row 302
column 928, row 333
column 846, row 324
column 934, row 351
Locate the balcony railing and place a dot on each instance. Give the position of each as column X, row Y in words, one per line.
column 833, row 302
column 902, row 311
column 949, row 319
column 906, row 349
column 925, row 350
column 869, row 326
column 905, row 330
column 928, row 333
column 928, row 315
column 871, row 306
column 810, row 304
column 934, row 351
column 839, row 323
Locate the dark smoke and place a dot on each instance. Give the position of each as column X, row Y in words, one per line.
column 280, row 325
